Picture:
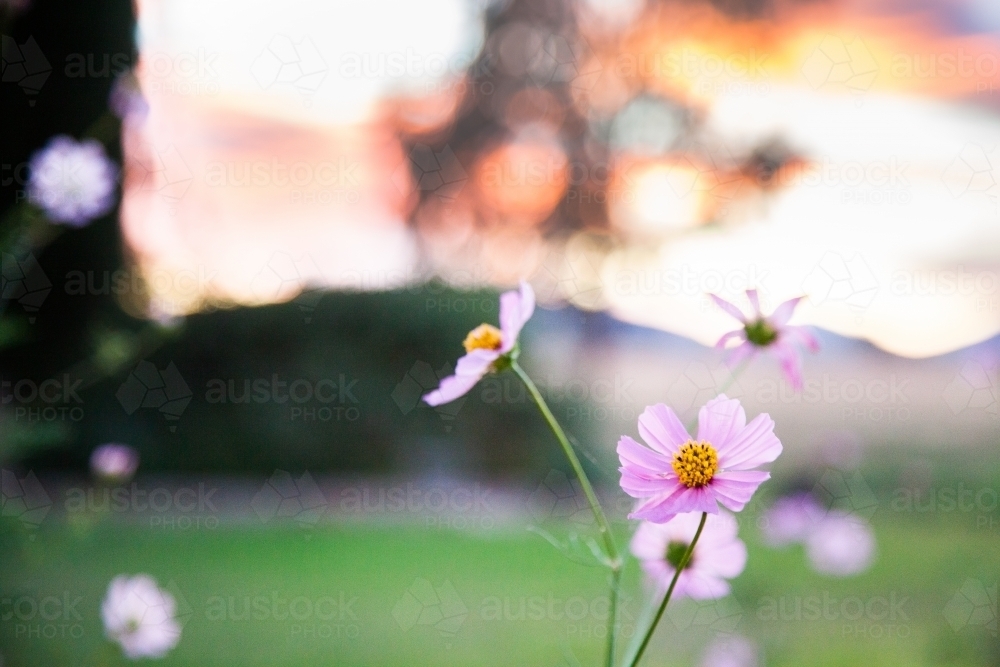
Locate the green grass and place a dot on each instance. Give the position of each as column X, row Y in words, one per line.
column 369, row 568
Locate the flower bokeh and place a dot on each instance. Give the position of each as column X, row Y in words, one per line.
column 140, row 616
column 718, row 556
column 72, row 181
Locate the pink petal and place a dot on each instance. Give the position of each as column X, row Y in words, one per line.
column 702, row 587
column 754, row 445
column 783, row 313
column 719, row 420
column 468, row 371
column 634, row 455
column 739, row 353
column 649, row 542
column 638, row 485
column 661, row 509
column 735, row 488
column 727, row 560
column 662, row 430
column 729, row 308
column 800, row 336
column 739, row 334
column 791, row 364
column 754, row 301
column 516, row 308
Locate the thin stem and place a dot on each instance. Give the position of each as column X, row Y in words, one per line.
column 595, row 506
column 736, row 373
column 670, row 590
column 609, row 656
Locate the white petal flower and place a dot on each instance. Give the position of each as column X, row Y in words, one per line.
column 140, row 617
column 73, row 182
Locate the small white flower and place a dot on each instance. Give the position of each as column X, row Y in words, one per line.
column 114, row 462
column 140, row 616
column 73, row 182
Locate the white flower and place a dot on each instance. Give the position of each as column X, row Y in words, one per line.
column 841, row 545
column 73, row 182
column 140, row 616
column 113, row 461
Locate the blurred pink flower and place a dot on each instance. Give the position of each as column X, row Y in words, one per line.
column 486, row 344
column 730, row 651
column 114, row 461
column 841, row 545
column 768, row 332
column 791, row 519
column 140, row 617
column 73, row 182
column 126, row 99
column 678, row 474
column 718, row 556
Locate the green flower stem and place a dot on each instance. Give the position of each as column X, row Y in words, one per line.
column 595, row 506
column 666, row 598
column 616, row 575
column 735, row 374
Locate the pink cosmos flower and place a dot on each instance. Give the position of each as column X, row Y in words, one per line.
column 114, row 462
column 841, row 545
column 719, row 554
column 486, row 345
column 772, row 333
column 72, row 181
column 791, row 519
column 731, row 651
column 678, row 473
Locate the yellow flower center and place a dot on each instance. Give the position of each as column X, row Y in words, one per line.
column 483, row 337
column 696, row 464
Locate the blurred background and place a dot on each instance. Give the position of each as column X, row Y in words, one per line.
column 317, row 201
